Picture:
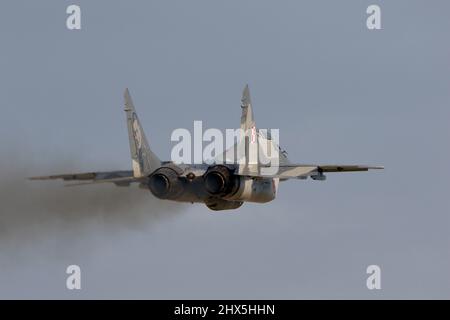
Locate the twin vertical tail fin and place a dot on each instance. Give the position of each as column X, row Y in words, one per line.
column 249, row 162
column 143, row 159
column 247, row 120
column 260, row 147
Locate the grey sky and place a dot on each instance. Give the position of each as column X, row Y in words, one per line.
column 338, row 92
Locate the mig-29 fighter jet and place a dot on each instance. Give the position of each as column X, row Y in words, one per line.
column 220, row 185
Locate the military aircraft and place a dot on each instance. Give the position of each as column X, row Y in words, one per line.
column 220, row 185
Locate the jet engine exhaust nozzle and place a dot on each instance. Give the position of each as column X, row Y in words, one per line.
column 215, row 182
column 165, row 184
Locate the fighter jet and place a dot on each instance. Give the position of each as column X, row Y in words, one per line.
column 222, row 184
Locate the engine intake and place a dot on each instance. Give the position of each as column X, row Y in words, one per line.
column 164, row 183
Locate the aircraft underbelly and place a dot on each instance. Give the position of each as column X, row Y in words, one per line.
column 254, row 190
column 249, row 190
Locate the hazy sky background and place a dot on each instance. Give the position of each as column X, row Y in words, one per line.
column 338, row 92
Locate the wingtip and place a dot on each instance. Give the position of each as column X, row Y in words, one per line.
column 37, row 178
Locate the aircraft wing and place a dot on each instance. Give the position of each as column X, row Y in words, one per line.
column 119, row 178
column 337, row 168
column 302, row 171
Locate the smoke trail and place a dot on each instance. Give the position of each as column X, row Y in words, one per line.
column 36, row 212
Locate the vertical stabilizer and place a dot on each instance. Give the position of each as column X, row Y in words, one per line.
column 143, row 159
column 249, row 142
